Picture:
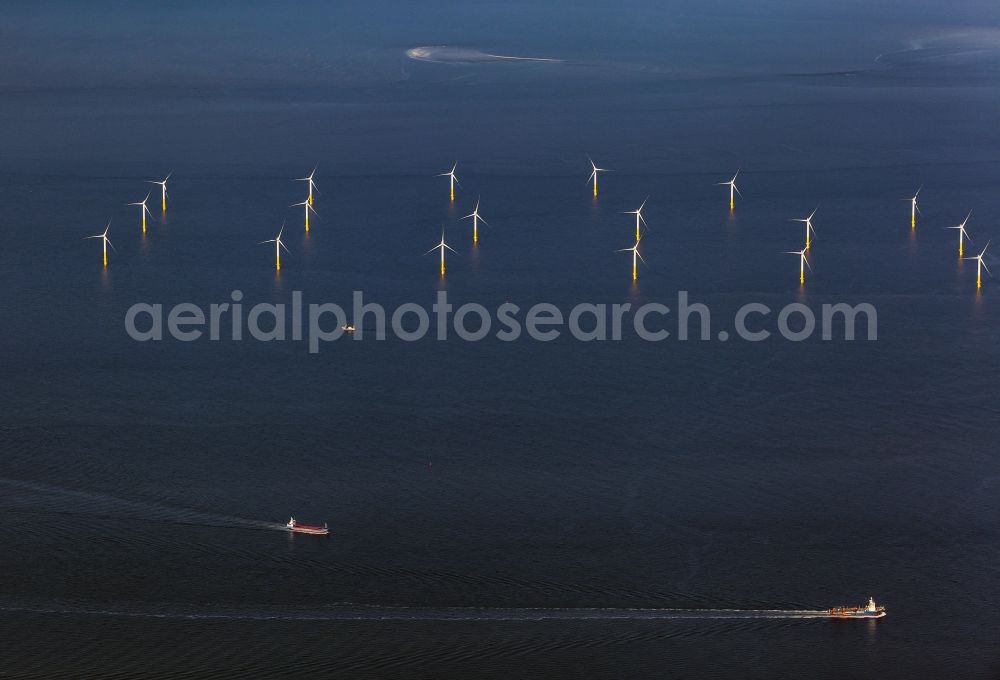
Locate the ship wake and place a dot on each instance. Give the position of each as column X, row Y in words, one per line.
column 359, row 612
column 22, row 494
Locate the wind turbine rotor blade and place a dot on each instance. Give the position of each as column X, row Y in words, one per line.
column 740, row 193
column 639, row 255
column 450, row 248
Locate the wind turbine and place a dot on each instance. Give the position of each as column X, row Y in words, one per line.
column 809, row 226
column 441, row 246
column 733, row 190
column 962, row 234
column 143, row 210
column 163, row 188
column 913, row 208
column 475, row 222
column 980, row 266
column 308, row 206
column 593, row 174
column 803, row 263
column 454, row 180
column 638, row 218
column 312, row 185
column 636, row 256
column 278, row 245
column 105, row 242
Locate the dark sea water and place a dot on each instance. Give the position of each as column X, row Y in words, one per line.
column 615, row 509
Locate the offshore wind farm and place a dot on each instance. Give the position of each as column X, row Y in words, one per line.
column 691, row 502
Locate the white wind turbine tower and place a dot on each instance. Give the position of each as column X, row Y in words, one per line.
column 452, row 178
column 308, row 206
column 105, row 242
column 593, row 174
column 733, row 190
column 441, row 246
column 278, row 245
column 143, row 211
column 638, row 218
column 163, row 190
column 636, row 256
column 312, row 185
column 962, row 234
column 980, row 266
column 803, row 263
column 809, row 226
column 914, row 209
column 476, row 217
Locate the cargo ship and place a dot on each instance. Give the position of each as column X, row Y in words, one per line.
column 869, row 611
column 297, row 528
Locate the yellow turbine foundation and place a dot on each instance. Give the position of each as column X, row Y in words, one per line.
column 143, row 222
column 475, row 231
column 595, row 186
column 105, row 257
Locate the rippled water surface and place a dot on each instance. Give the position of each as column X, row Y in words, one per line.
column 523, row 509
